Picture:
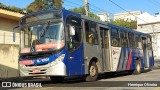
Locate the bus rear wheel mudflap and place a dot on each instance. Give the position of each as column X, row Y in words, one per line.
column 57, row 79
column 93, row 72
column 137, row 68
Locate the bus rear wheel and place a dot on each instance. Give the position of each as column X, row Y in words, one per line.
column 137, row 68
column 93, row 72
column 57, row 79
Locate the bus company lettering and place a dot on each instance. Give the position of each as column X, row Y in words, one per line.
column 55, row 45
column 45, row 59
column 115, row 55
column 42, row 60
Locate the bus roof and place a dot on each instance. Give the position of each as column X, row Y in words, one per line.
column 88, row 18
column 40, row 12
column 127, row 29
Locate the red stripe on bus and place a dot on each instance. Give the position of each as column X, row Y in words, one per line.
column 129, row 61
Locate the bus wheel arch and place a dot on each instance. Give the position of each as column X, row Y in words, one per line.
column 96, row 60
column 93, row 69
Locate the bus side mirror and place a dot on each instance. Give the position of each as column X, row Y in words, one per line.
column 72, row 30
column 14, row 33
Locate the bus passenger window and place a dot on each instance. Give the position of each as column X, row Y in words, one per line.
column 138, row 43
column 115, row 37
column 91, row 32
column 123, row 36
column 131, row 40
column 137, row 40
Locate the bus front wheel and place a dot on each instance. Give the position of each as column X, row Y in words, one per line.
column 93, row 72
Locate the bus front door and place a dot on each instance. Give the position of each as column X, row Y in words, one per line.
column 75, row 46
column 104, row 34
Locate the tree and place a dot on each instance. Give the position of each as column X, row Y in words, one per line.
column 58, row 3
column 132, row 24
column 81, row 10
column 44, row 4
column 35, row 6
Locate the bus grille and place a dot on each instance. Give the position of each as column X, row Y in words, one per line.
column 36, row 65
column 36, row 56
column 43, row 71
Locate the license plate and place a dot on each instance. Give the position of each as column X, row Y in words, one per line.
column 36, row 70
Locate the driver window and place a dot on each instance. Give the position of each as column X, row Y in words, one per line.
column 73, row 29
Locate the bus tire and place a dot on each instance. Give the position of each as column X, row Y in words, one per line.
column 57, row 79
column 93, row 72
column 137, row 68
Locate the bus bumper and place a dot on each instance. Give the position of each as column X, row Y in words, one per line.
column 45, row 70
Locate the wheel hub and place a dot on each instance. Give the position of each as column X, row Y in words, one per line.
column 92, row 71
column 138, row 68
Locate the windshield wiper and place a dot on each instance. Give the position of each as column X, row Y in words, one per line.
column 45, row 28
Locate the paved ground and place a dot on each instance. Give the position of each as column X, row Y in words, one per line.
column 109, row 81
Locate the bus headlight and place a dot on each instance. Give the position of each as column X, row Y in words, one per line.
column 22, row 66
column 58, row 60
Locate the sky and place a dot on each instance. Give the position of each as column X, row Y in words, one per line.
column 99, row 6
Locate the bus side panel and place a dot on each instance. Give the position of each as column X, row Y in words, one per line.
column 133, row 54
column 116, row 53
column 151, row 58
column 123, row 59
column 91, row 51
column 134, row 57
column 75, row 62
column 141, row 57
column 136, row 54
column 130, row 59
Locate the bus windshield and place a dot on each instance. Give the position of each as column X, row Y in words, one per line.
column 42, row 37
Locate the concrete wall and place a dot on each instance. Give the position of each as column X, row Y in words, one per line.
column 8, row 49
column 9, row 61
column 6, row 31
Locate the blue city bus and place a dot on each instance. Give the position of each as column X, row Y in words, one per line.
column 59, row 43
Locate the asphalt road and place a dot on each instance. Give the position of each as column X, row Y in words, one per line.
column 148, row 80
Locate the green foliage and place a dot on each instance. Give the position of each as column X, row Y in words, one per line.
column 12, row 8
column 92, row 15
column 57, row 3
column 81, row 10
column 35, row 6
column 132, row 24
column 44, row 4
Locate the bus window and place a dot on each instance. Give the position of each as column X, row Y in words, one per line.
column 91, row 32
column 73, row 40
column 139, row 43
column 136, row 41
column 149, row 44
column 115, row 38
column 123, row 36
column 131, row 40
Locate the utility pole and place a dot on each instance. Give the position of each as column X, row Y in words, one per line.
column 86, row 7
